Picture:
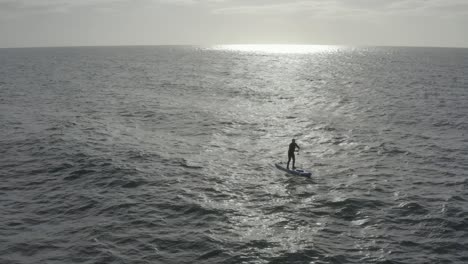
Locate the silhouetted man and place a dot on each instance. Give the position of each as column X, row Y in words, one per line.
column 292, row 149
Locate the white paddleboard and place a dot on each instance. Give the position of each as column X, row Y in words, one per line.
column 294, row 172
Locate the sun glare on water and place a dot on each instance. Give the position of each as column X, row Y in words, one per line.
column 278, row 48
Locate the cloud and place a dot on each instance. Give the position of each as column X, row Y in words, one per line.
column 22, row 4
column 26, row 7
column 360, row 9
column 317, row 8
column 22, row 9
column 429, row 7
column 347, row 8
column 52, row 3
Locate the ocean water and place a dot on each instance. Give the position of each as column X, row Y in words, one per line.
column 165, row 155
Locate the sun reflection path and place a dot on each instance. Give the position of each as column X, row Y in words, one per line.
column 279, row 48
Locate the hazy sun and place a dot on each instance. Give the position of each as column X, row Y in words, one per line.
column 278, row 48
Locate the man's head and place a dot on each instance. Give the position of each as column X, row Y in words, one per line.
column 293, row 141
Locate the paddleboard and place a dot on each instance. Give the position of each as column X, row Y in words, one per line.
column 294, row 172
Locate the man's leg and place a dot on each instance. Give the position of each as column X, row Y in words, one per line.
column 289, row 159
column 294, row 162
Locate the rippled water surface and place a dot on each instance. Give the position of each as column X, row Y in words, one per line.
column 165, row 155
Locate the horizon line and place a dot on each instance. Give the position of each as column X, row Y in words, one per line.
column 233, row 44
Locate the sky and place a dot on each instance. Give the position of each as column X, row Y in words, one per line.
column 38, row 23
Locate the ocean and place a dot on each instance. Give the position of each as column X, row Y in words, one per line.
column 166, row 154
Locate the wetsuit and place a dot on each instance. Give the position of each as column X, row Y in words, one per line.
column 292, row 148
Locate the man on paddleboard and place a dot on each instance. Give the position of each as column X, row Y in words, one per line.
column 292, row 149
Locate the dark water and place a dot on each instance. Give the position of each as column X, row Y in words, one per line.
column 165, row 154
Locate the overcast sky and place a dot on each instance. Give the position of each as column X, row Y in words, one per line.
column 26, row 23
